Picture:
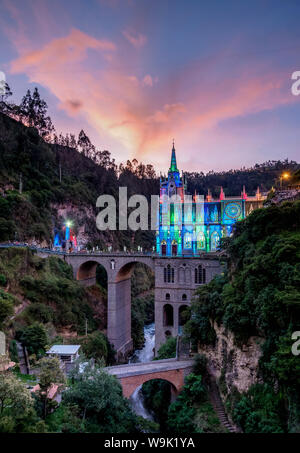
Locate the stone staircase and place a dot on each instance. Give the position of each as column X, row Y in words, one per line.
column 219, row 407
column 23, row 359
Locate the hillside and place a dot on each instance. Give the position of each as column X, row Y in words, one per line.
column 45, row 201
column 59, row 182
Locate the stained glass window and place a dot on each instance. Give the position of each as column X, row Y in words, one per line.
column 201, row 241
column 188, row 240
column 214, row 240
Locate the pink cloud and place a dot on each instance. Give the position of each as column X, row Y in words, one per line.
column 70, row 49
column 136, row 39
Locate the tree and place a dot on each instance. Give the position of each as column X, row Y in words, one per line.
column 34, row 337
column 50, row 373
column 33, row 113
column 168, row 349
column 6, row 306
column 17, row 413
column 14, row 396
column 85, row 145
column 95, row 346
column 99, row 398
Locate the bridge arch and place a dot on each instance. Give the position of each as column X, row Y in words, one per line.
column 173, row 377
column 174, row 390
column 86, row 272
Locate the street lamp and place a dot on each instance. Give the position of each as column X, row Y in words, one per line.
column 284, row 175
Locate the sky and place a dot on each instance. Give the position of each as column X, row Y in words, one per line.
column 213, row 75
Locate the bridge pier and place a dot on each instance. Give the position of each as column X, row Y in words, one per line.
column 119, row 317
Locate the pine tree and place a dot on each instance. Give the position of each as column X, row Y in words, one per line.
column 33, row 113
column 85, row 145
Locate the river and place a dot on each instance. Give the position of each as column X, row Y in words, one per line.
column 143, row 355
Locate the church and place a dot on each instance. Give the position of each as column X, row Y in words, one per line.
column 189, row 225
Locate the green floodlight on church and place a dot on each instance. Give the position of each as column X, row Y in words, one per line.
column 173, row 160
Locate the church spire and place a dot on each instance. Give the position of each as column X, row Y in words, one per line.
column 173, row 160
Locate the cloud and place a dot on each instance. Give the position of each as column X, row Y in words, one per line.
column 133, row 112
column 136, row 39
column 72, row 106
column 70, row 49
column 167, row 113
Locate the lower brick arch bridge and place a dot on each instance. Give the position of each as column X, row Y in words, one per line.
column 176, row 279
column 134, row 375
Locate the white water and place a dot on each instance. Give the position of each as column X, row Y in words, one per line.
column 143, row 355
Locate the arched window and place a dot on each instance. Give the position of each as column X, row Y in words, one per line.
column 169, row 274
column 201, row 242
column 214, row 241
column 167, row 296
column 184, row 297
column 163, row 248
column 188, row 240
column 174, row 248
column 200, row 275
column 168, row 317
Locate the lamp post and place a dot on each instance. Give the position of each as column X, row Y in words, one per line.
column 284, row 175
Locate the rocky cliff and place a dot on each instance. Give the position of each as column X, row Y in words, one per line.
column 233, row 367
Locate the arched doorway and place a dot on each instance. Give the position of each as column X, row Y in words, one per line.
column 183, row 317
column 174, row 248
column 168, row 315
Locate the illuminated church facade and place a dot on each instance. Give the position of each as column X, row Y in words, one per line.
column 189, row 225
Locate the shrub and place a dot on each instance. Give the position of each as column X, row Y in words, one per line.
column 6, row 306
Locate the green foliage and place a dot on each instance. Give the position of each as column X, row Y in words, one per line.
column 6, row 306
column 3, row 280
column 200, row 365
column 167, row 350
column 182, row 412
column 96, row 346
column 206, row 420
column 49, row 285
column 98, row 397
column 50, row 373
column 181, row 416
column 34, row 337
column 17, row 414
column 260, row 410
column 259, row 295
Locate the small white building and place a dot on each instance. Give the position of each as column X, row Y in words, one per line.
column 66, row 353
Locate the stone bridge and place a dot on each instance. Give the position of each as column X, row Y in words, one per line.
column 133, row 375
column 176, row 279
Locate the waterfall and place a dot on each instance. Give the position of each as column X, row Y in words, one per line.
column 143, row 355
